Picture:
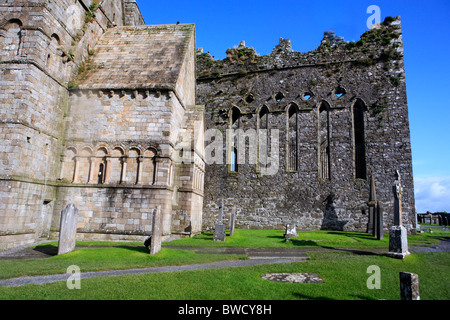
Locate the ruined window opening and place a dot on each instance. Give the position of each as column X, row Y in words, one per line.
column 292, row 138
column 279, row 96
column 233, row 162
column 235, row 125
column 263, row 137
column 250, row 98
column 307, row 96
column 359, row 141
column 324, row 142
column 339, row 92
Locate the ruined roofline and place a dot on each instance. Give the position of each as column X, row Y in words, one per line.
column 332, row 49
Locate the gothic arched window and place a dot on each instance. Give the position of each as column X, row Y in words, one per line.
column 324, row 141
column 359, row 140
column 292, row 138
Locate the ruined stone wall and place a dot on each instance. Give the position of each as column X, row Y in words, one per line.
column 311, row 99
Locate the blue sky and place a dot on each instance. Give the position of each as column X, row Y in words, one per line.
column 223, row 24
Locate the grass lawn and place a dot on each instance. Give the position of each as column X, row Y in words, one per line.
column 344, row 273
column 248, row 238
column 345, row 276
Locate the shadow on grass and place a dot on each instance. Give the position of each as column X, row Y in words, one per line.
column 47, row 249
column 305, row 297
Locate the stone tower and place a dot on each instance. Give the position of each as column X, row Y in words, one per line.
column 98, row 110
column 301, row 132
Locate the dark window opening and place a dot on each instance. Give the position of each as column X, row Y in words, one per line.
column 233, row 162
column 360, row 146
column 101, row 174
column 339, row 92
column 292, row 138
column 279, row 96
column 324, row 142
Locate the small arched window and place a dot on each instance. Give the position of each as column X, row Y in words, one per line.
column 11, row 41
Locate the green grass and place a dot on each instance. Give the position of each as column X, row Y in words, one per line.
column 345, row 276
column 100, row 259
column 248, row 238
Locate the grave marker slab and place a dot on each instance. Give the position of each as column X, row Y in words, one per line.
column 409, row 286
column 68, row 229
column 219, row 230
column 155, row 241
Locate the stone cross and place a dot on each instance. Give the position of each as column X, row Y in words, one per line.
column 398, row 190
column 155, row 242
column 232, row 221
column 219, row 230
column 398, row 242
column 68, row 229
column 409, row 286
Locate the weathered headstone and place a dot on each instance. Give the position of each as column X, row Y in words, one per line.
column 155, row 240
column 67, row 229
column 409, row 286
column 219, row 230
column 232, row 221
column 398, row 242
column 372, row 199
column 291, row 232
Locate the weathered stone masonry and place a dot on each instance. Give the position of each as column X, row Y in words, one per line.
column 94, row 106
column 341, row 110
column 102, row 111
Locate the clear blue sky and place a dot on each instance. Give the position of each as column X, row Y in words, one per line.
column 426, row 25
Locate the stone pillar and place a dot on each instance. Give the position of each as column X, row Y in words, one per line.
column 398, row 242
column 155, row 242
column 92, row 164
column 140, row 162
column 75, row 171
column 219, row 230
column 409, row 286
column 67, row 229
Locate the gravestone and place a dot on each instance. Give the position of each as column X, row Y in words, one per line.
column 219, row 230
column 398, row 243
column 409, row 286
column 232, row 221
column 372, row 199
column 155, row 240
column 291, row 232
column 67, row 229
